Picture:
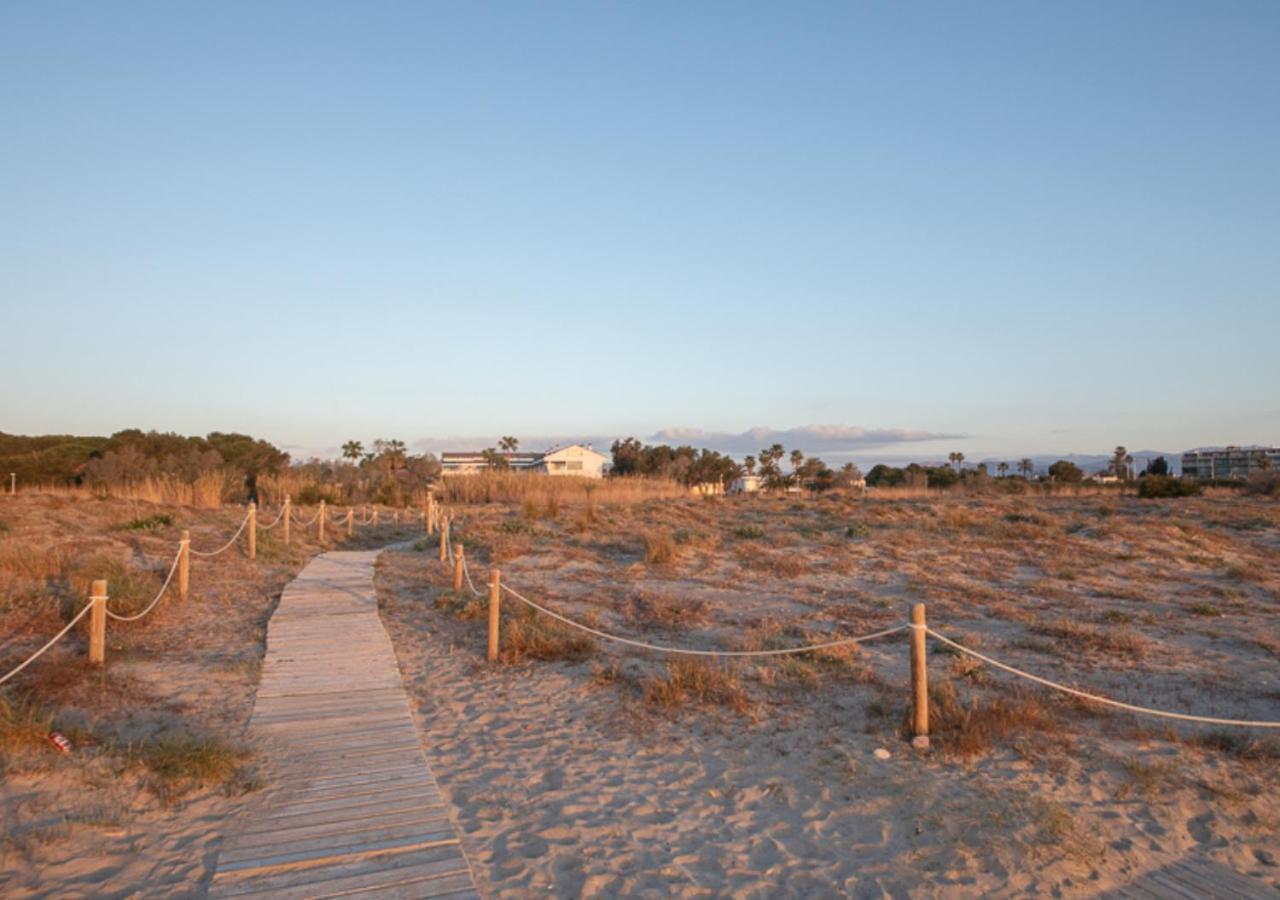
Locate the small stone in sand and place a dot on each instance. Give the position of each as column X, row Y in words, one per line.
column 881, row 753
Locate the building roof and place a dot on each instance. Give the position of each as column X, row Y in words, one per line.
column 463, row 455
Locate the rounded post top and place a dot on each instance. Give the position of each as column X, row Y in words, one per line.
column 100, row 589
column 917, row 614
column 493, row 576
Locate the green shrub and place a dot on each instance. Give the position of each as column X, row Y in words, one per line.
column 149, row 523
column 858, row 530
column 1265, row 483
column 749, row 532
column 312, row 494
column 1157, row 486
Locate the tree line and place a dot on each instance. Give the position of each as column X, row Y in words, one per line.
column 692, row 466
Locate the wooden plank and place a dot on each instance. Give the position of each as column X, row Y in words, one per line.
column 304, row 882
column 1191, row 878
column 383, row 816
column 358, row 812
column 291, row 819
column 379, row 835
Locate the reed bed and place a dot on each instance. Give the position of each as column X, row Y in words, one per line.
column 555, row 490
column 208, row 491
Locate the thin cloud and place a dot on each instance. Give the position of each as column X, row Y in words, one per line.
column 809, row 438
column 527, row 442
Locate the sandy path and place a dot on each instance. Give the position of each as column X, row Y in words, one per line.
column 569, row 787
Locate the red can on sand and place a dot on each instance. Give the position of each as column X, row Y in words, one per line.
column 59, row 740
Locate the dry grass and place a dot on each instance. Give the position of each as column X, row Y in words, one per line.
column 670, row 612
column 527, row 636
column 24, row 726
column 690, row 679
column 519, row 487
column 974, row 727
column 181, row 763
column 1113, row 639
column 659, row 546
column 209, row 490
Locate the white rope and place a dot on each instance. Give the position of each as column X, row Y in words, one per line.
column 681, row 651
column 311, row 521
column 466, row 570
column 57, row 637
column 275, row 523
column 1094, row 697
column 227, row 544
column 173, row 568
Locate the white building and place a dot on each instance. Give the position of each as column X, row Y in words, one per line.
column 575, row 459
column 746, row 484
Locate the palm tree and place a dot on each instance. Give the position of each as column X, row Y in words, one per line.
column 352, row 450
column 509, row 444
column 959, row 461
column 1026, row 467
column 749, row 463
column 951, row 458
column 1117, row 461
column 1128, row 466
column 797, row 459
column 1003, row 469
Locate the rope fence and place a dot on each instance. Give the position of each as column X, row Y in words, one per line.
column 99, row 612
column 164, row 587
column 917, row 626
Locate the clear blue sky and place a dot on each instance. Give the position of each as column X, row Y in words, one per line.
column 1039, row 228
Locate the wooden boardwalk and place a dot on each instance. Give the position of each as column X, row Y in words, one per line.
column 1193, row 877
column 358, row 812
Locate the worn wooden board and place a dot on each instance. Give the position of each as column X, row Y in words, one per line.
column 357, row 810
column 1191, row 878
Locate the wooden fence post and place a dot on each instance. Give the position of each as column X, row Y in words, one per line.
column 253, row 530
column 444, row 538
column 98, row 623
column 375, row 516
column 495, row 597
column 184, row 565
column 351, row 519
column 288, row 511
column 919, row 680
column 457, row 567
column 426, row 516
column 320, row 521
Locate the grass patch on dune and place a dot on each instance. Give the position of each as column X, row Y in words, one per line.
column 1117, row 640
column 129, row 590
column 979, row 725
column 24, row 725
column 147, row 523
column 527, row 635
column 659, row 546
column 691, row 680
column 180, row 763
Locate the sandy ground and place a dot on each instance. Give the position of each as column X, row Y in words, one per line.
column 569, row 777
column 113, row 818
